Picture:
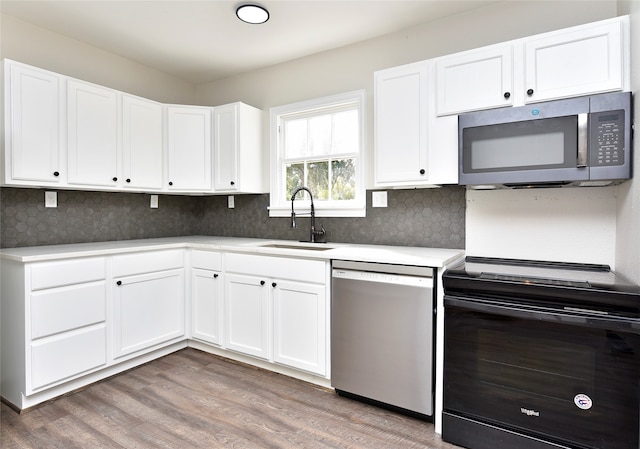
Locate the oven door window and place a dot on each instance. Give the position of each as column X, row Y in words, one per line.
column 564, row 383
column 526, row 145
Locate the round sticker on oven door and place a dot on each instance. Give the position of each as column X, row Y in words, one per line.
column 582, row 401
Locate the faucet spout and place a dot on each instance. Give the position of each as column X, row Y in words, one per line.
column 314, row 233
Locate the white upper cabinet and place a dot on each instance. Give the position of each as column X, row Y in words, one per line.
column 577, row 61
column 92, row 134
column 237, row 149
column 32, row 126
column 582, row 60
column 407, row 151
column 142, row 144
column 476, row 79
column 189, row 148
column 401, row 125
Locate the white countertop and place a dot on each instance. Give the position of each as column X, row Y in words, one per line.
column 405, row 255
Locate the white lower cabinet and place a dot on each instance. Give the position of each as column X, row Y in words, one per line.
column 207, row 285
column 148, row 307
column 300, row 326
column 54, row 324
column 148, row 310
column 247, row 323
column 276, row 308
column 69, row 322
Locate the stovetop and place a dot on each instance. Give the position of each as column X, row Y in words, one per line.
column 556, row 284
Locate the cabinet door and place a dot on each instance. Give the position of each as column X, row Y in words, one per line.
column 582, row 60
column 473, row 80
column 32, row 126
column 92, row 135
column 142, row 151
column 401, row 125
column 300, row 326
column 247, row 310
column 189, row 147
column 237, row 149
column 226, row 140
column 206, row 306
column 148, row 310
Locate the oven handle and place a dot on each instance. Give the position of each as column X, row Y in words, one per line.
column 607, row 322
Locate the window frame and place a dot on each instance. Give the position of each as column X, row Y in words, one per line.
column 281, row 207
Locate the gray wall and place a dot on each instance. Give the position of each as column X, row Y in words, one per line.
column 429, row 217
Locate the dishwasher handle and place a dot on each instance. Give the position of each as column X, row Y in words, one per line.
column 385, row 278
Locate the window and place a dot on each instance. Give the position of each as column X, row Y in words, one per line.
column 318, row 144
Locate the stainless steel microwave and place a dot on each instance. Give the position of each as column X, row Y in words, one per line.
column 584, row 141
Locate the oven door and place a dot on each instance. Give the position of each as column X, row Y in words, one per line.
column 569, row 379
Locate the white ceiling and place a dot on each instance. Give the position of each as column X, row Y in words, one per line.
column 201, row 41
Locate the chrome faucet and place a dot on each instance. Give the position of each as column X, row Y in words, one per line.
column 314, row 233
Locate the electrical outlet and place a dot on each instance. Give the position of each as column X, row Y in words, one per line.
column 50, row 199
column 231, row 202
column 379, row 199
column 154, row 202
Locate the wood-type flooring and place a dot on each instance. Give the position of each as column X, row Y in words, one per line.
column 191, row 399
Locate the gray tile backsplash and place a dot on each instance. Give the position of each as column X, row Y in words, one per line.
column 421, row 217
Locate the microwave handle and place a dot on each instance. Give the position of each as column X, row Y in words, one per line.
column 583, row 138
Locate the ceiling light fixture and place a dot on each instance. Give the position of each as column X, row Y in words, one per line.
column 252, row 14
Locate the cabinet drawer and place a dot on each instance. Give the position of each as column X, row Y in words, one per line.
column 59, row 358
column 207, row 260
column 302, row 270
column 147, row 262
column 68, row 272
column 67, row 308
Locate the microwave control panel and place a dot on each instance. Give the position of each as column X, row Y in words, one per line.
column 607, row 138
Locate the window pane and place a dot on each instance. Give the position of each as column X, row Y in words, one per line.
column 295, row 138
column 318, row 179
column 345, row 132
column 320, row 135
column 343, row 181
column 295, row 178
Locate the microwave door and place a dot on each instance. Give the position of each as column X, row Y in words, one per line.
column 540, row 150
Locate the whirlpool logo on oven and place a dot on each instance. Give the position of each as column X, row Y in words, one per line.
column 529, row 412
column 582, row 401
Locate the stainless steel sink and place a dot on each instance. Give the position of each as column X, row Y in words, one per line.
column 312, row 246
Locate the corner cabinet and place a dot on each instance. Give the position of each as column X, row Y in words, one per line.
column 404, row 154
column 276, row 309
column 237, row 149
column 32, row 127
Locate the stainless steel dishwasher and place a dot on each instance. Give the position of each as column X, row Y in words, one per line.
column 382, row 319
